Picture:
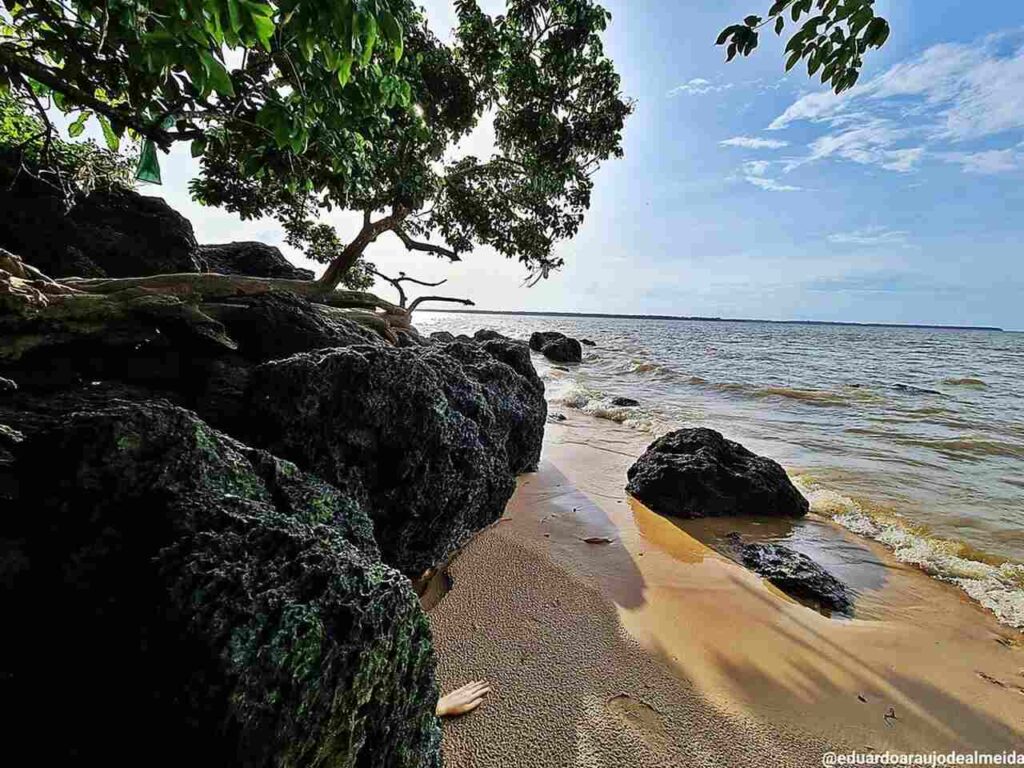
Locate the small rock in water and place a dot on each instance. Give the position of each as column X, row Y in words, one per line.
column 797, row 575
column 915, row 390
column 693, row 473
column 588, row 343
column 625, row 402
column 556, row 417
column 598, row 540
column 557, row 347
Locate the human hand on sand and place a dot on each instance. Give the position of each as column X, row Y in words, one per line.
column 465, row 699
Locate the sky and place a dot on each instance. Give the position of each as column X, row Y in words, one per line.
column 748, row 193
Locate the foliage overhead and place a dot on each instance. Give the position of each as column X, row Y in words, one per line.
column 539, row 72
column 832, row 40
column 173, row 69
column 298, row 107
column 71, row 168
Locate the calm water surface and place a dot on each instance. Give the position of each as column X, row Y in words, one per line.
column 914, row 437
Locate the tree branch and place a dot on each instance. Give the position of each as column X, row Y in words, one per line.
column 415, row 245
column 421, row 299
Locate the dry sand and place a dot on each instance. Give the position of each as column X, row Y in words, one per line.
column 654, row 650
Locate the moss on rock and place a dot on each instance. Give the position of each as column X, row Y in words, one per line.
column 174, row 593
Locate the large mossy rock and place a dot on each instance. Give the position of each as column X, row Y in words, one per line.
column 433, row 436
column 698, row 473
column 105, row 234
column 173, row 596
column 250, row 258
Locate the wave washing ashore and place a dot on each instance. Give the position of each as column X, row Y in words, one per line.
column 913, row 437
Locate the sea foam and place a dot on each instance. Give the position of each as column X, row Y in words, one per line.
column 998, row 587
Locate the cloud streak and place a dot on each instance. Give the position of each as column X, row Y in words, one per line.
column 698, row 86
column 748, row 142
column 870, row 237
column 951, row 95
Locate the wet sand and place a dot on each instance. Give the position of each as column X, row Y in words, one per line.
column 654, row 649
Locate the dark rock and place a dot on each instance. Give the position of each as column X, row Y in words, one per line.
column 277, row 325
column 177, row 588
column 432, row 436
column 408, row 338
column 442, row 336
column 557, row 347
column 625, row 402
column 6, row 385
column 249, row 258
column 563, row 351
column 105, row 234
column 486, row 334
column 588, row 343
column 797, row 575
column 556, row 417
column 911, row 389
column 698, row 473
column 539, row 338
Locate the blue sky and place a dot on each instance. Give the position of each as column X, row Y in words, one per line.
column 746, row 193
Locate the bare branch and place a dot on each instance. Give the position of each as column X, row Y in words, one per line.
column 421, row 299
column 415, row 245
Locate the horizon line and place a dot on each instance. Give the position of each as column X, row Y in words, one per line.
column 703, row 319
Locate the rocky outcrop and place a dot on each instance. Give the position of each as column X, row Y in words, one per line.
column 797, row 575
column 105, row 234
column 443, row 337
column 698, row 473
column 432, row 437
column 179, row 589
column 248, row 258
column 557, row 347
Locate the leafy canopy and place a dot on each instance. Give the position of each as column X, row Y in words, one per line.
column 298, row 107
column 833, row 39
column 160, row 67
column 539, row 72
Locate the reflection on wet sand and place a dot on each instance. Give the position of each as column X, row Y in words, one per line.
column 916, row 645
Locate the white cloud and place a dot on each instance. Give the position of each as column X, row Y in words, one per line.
column 870, row 236
column 698, row 86
column 756, row 167
column 748, row 142
column 951, row 94
column 988, row 162
column 771, row 185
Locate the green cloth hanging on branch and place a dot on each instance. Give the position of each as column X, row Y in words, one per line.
column 149, row 164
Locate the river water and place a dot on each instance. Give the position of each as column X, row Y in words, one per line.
column 913, row 437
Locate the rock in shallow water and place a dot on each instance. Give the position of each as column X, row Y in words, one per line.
column 168, row 586
column 557, row 347
column 698, row 473
column 797, row 575
column 625, row 402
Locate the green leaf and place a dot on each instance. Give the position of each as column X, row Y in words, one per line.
column 219, row 78
column 235, row 16
column 368, row 24
column 110, row 136
column 345, row 69
column 76, row 128
column 198, row 147
column 264, row 29
column 393, row 34
column 780, row 23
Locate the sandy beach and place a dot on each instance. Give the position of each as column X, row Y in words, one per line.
column 654, row 649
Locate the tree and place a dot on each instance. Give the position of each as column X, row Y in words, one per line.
column 539, row 71
column 833, row 39
column 303, row 126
